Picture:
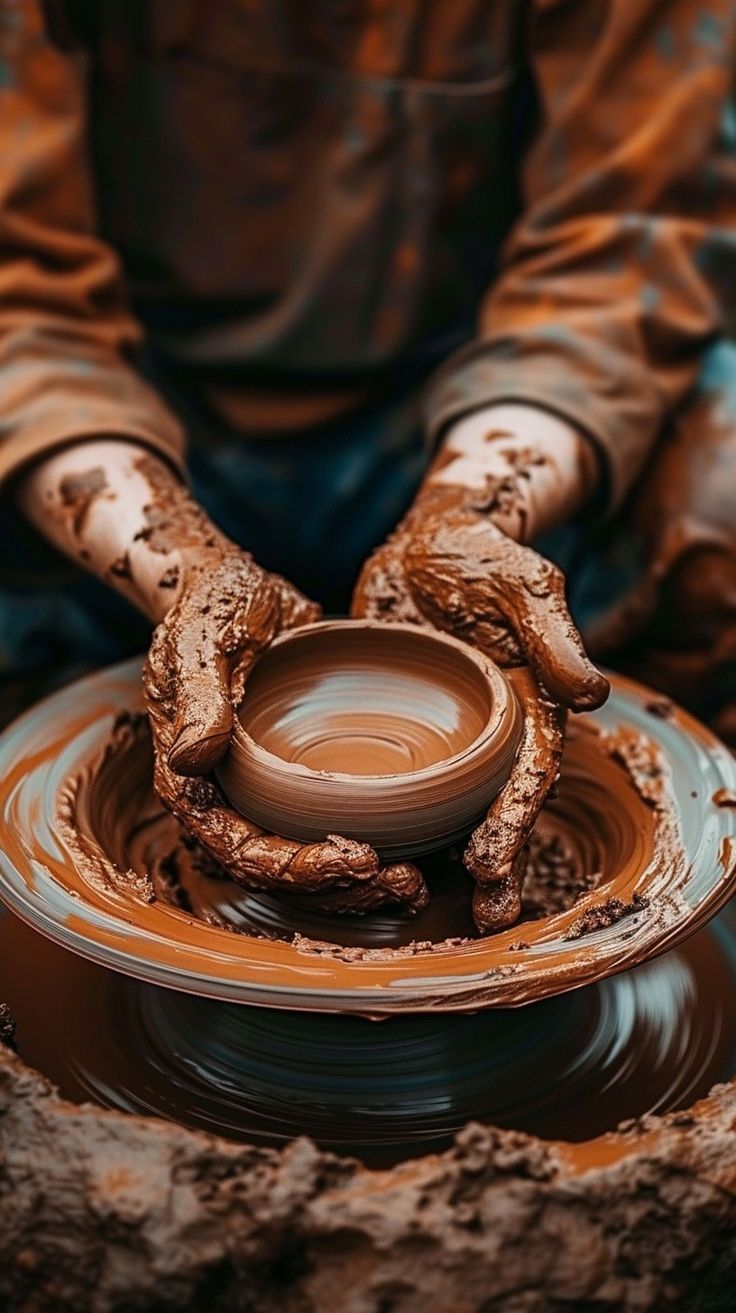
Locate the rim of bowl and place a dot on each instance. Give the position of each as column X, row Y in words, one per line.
column 505, row 705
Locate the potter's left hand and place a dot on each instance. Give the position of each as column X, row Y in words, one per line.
column 458, row 561
column 227, row 610
column 121, row 512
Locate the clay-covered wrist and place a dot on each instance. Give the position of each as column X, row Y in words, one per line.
column 528, row 470
column 122, row 513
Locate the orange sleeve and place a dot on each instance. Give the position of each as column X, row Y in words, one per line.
column 620, row 268
column 65, row 331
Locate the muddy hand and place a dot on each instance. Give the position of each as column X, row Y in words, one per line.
column 227, row 611
column 496, row 854
column 450, row 566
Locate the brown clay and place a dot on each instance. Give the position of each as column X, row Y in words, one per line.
column 449, row 565
column 116, row 876
column 568, row 1068
column 100, row 1210
column 386, row 733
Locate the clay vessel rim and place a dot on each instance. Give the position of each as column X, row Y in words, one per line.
column 501, row 695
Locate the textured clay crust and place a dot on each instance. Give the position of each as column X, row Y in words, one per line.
column 101, row 1211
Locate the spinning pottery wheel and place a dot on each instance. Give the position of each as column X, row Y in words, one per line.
column 645, row 819
column 643, row 811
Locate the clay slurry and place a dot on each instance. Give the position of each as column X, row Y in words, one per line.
column 104, row 866
column 387, row 734
column 570, row 1067
column 363, row 719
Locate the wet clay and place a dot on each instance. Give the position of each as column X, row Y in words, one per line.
column 146, row 1213
column 118, row 877
column 111, row 811
column 642, row 1218
column 393, row 712
column 450, row 563
column 568, row 1068
column 389, row 734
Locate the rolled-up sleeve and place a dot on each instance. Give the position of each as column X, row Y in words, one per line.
column 66, row 336
column 623, row 263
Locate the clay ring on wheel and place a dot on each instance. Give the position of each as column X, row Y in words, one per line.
column 386, row 733
column 646, row 800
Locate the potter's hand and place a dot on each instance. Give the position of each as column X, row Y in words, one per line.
column 126, row 516
column 454, row 563
column 227, row 610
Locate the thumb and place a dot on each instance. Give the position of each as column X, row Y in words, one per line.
column 553, row 645
column 202, row 721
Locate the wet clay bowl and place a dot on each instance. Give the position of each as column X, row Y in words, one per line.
column 393, row 735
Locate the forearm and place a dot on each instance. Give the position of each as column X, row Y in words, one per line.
column 529, row 470
column 122, row 513
column 620, row 267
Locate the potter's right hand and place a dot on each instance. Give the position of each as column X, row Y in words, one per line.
column 460, row 561
column 124, row 514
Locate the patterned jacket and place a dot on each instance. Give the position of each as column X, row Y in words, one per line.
column 303, row 205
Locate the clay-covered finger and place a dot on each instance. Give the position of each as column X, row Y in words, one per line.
column 203, row 712
column 245, row 850
column 550, row 639
column 401, row 884
column 267, row 861
column 338, row 874
column 495, row 845
column 186, row 683
column 382, row 591
column 498, row 906
column 220, row 622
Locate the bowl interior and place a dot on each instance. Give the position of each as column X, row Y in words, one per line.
column 365, row 701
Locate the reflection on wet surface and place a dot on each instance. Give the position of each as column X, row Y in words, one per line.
column 653, row 1039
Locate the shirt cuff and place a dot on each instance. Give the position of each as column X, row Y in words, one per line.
column 28, row 447
column 50, row 400
column 622, row 421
